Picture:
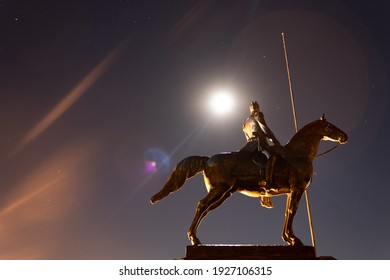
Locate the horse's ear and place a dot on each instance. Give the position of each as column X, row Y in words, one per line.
column 323, row 117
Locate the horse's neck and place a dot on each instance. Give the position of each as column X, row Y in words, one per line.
column 304, row 146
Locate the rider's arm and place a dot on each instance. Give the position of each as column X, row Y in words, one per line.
column 266, row 130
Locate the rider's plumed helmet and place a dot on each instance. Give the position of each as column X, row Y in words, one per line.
column 254, row 107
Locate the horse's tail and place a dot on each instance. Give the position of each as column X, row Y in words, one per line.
column 184, row 170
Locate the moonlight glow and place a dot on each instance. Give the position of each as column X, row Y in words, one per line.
column 221, row 102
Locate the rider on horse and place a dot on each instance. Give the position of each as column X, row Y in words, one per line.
column 257, row 132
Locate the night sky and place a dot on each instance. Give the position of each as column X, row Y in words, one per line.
column 100, row 100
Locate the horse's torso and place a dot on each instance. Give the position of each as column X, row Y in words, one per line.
column 242, row 171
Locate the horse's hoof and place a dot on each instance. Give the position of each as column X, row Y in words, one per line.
column 293, row 241
column 296, row 242
column 195, row 241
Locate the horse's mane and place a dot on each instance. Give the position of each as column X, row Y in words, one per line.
column 305, row 130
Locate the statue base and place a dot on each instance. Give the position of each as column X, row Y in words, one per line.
column 249, row 252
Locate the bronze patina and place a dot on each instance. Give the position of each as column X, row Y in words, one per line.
column 227, row 173
column 257, row 134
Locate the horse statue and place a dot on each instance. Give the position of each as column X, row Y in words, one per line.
column 231, row 172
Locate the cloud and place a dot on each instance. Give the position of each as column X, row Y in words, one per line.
column 78, row 91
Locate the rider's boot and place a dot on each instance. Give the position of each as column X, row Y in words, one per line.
column 263, row 182
column 266, row 201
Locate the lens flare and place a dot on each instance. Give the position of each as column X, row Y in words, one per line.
column 150, row 166
column 78, row 91
column 156, row 161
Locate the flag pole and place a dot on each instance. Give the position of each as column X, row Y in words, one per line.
column 296, row 130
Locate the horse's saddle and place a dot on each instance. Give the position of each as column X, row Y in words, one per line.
column 249, row 163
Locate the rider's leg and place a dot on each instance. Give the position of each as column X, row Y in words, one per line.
column 268, row 171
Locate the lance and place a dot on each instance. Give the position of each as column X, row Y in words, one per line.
column 296, row 130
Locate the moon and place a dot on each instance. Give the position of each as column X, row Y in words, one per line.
column 221, row 102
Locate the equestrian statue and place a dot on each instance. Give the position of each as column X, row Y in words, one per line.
column 259, row 170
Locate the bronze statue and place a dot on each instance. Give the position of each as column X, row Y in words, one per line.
column 227, row 173
column 257, row 132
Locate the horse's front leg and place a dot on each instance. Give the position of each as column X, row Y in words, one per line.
column 214, row 198
column 291, row 209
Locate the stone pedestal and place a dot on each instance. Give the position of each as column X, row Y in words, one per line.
column 249, row 252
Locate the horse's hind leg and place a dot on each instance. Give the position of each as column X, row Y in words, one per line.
column 213, row 199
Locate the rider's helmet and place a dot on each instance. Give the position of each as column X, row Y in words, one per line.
column 254, row 107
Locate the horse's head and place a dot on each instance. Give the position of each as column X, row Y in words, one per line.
column 306, row 141
column 330, row 132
